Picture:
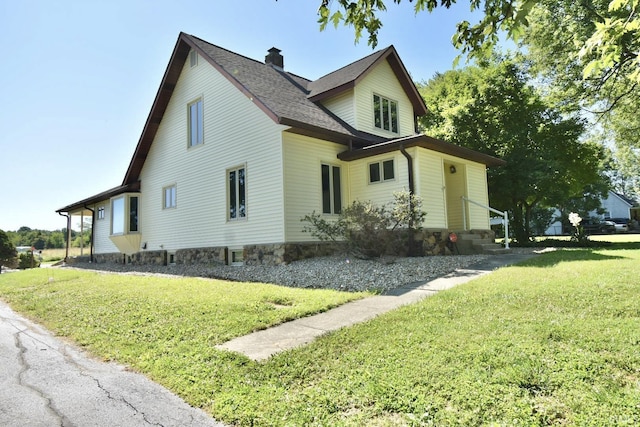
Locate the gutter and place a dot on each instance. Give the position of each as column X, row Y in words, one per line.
column 66, row 255
column 93, row 228
column 404, row 152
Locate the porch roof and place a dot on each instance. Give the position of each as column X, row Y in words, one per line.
column 422, row 141
column 81, row 206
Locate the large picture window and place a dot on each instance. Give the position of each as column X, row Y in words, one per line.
column 124, row 214
column 331, row 194
column 196, row 125
column 385, row 112
column 237, row 187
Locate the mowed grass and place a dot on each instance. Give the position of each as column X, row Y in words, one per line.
column 553, row 341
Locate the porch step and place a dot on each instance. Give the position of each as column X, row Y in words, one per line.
column 470, row 243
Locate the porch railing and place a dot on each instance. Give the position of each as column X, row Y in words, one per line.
column 505, row 216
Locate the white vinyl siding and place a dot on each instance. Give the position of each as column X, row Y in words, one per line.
column 101, row 232
column 477, row 188
column 383, row 82
column 303, row 159
column 237, row 133
column 430, row 186
column 342, row 106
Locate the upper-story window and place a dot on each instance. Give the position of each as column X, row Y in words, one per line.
column 193, row 58
column 381, row 171
column 385, row 112
column 196, row 123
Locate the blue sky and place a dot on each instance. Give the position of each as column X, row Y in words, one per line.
column 79, row 77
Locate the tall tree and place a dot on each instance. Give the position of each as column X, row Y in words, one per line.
column 594, row 42
column 494, row 110
column 7, row 250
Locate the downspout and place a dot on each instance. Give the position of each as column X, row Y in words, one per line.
column 66, row 254
column 411, row 193
column 93, row 230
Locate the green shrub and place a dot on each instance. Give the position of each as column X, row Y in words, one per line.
column 371, row 231
column 27, row 260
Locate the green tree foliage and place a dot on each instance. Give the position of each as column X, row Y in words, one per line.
column 40, row 239
column 608, row 30
column 371, row 231
column 7, row 250
column 494, row 110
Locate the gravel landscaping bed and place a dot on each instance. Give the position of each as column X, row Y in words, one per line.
column 346, row 274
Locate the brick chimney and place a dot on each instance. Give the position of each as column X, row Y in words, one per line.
column 274, row 58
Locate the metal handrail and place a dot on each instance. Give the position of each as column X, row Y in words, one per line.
column 489, row 208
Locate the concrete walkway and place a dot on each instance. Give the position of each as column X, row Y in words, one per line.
column 263, row 344
column 45, row 381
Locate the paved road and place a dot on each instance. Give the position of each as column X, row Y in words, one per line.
column 47, row 382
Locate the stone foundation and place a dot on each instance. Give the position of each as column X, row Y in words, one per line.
column 148, row 258
column 426, row 242
column 435, row 241
column 112, row 258
column 284, row 253
column 213, row 255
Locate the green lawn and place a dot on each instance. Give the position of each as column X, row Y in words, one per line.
column 554, row 341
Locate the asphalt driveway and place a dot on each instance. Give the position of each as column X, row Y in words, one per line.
column 45, row 381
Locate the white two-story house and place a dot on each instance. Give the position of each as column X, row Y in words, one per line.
column 236, row 151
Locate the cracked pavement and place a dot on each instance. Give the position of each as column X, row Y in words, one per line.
column 45, row 381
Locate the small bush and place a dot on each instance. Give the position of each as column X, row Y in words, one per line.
column 371, row 231
column 27, row 260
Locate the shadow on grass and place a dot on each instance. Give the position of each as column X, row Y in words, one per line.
column 550, row 259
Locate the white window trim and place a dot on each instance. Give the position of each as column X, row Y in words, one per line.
column 380, row 164
column 236, row 256
column 127, row 214
column 331, row 189
column 200, row 141
column 175, row 196
column 246, row 193
column 381, row 128
column 193, row 58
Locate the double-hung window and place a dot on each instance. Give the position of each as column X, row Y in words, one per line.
column 331, row 194
column 196, row 125
column 237, row 193
column 381, row 171
column 385, row 114
column 169, row 197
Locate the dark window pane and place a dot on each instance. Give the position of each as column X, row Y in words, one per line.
column 385, row 114
column 377, row 111
column 133, row 214
column 387, row 167
column 232, row 194
column 242, row 212
column 374, row 172
column 394, row 117
column 337, row 196
column 326, row 190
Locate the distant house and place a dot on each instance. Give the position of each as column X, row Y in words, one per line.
column 615, row 205
column 236, row 151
